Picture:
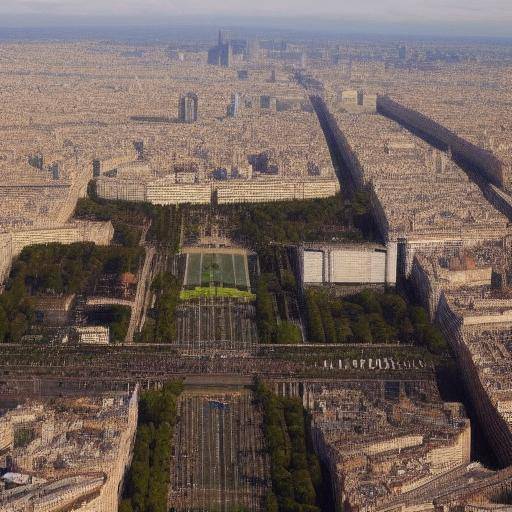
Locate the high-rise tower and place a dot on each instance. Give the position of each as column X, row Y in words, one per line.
column 188, row 108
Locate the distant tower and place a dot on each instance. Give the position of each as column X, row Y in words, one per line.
column 303, row 60
column 188, row 108
column 226, row 55
column 265, row 101
column 36, row 161
column 139, row 149
column 55, row 170
column 253, row 50
column 234, row 107
column 222, row 54
column 402, row 52
column 96, row 167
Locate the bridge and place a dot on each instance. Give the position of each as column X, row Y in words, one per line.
column 36, row 370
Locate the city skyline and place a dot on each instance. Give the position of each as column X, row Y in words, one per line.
column 254, row 259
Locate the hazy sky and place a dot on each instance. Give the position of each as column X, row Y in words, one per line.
column 486, row 13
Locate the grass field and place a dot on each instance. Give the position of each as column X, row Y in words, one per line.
column 219, row 270
column 210, row 292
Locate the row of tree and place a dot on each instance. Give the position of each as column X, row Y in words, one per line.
column 297, row 221
column 369, row 317
column 296, row 471
column 160, row 326
column 270, row 328
column 147, row 483
column 129, row 218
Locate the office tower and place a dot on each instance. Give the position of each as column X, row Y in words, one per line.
column 253, row 50
column 265, row 101
column 402, row 52
column 243, row 74
column 96, row 168
column 139, row 149
column 234, row 107
column 222, row 54
column 303, row 60
column 55, row 170
column 188, row 108
column 226, row 55
column 36, row 161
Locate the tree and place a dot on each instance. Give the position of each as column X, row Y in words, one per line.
column 433, row 339
column 406, row 331
column 139, row 471
column 303, row 487
column 361, row 330
column 168, row 291
column 18, row 327
column 265, row 316
column 352, row 311
column 159, row 471
column 282, row 481
column 125, row 506
column 382, row 332
column 4, row 324
column 418, row 316
column 368, row 300
column 328, row 324
column 294, row 465
column 344, row 332
column 148, row 478
column 316, row 329
column 271, row 504
column 394, row 308
column 288, row 281
column 288, row 333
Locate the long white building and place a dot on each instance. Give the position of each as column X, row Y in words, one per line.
column 165, row 191
column 348, row 264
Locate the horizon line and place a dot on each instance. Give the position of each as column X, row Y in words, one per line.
column 319, row 25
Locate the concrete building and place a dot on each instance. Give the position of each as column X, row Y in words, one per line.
column 260, row 189
column 188, row 108
column 234, row 106
column 348, row 264
column 222, row 53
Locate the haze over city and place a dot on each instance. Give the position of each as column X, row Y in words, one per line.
column 434, row 17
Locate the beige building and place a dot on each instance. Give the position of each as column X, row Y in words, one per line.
column 71, row 455
column 262, row 189
column 378, row 448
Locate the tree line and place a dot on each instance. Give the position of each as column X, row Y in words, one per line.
column 270, row 327
column 291, row 222
column 296, row 471
column 147, row 483
column 129, row 218
column 369, row 317
column 160, row 325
